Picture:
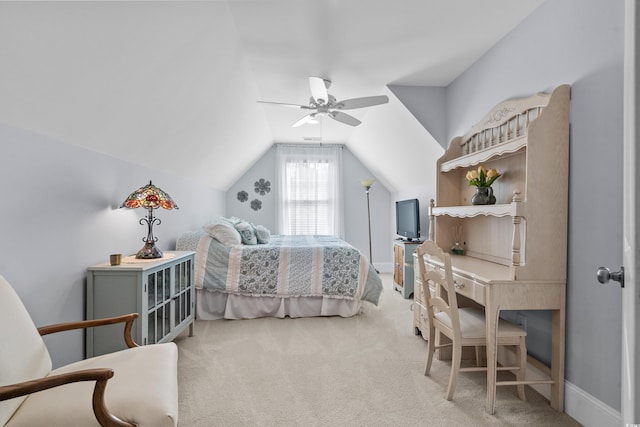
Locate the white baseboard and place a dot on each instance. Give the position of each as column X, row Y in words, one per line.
column 588, row 410
column 578, row 404
column 384, row 267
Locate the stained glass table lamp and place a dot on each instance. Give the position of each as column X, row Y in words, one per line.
column 149, row 197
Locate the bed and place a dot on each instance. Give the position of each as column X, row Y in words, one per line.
column 295, row 276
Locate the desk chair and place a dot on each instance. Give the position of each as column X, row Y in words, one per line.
column 463, row 326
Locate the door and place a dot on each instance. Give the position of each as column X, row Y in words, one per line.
column 630, row 400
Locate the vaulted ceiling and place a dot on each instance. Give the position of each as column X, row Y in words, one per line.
column 174, row 84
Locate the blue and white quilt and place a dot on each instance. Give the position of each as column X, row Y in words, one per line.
column 287, row 266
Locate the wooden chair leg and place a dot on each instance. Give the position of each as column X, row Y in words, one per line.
column 478, row 356
column 521, row 354
column 455, row 368
column 430, row 350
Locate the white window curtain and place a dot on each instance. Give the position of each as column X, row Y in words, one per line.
column 310, row 189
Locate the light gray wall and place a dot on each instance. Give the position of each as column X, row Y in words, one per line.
column 355, row 213
column 427, row 104
column 265, row 168
column 60, row 215
column 355, row 205
column 579, row 42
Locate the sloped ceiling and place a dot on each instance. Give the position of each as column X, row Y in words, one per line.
column 174, row 84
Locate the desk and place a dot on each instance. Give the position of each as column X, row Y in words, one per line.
column 490, row 285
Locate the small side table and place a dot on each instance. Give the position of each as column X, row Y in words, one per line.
column 161, row 290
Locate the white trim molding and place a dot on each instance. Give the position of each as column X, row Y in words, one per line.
column 578, row 404
column 588, row 410
column 384, row 267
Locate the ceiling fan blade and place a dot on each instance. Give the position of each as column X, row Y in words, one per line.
column 344, row 118
column 284, row 104
column 368, row 101
column 311, row 118
column 318, row 90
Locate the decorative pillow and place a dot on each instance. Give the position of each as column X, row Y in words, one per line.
column 262, row 234
column 247, row 233
column 234, row 220
column 224, row 232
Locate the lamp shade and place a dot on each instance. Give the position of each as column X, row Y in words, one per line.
column 367, row 183
column 149, row 197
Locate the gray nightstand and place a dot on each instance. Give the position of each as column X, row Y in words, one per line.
column 160, row 290
column 403, row 266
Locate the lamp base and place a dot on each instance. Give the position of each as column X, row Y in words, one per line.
column 149, row 251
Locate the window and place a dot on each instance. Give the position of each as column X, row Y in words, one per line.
column 309, row 183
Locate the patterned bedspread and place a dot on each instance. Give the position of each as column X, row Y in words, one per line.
column 287, row 266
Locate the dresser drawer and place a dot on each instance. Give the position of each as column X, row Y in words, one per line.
column 420, row 318
column 421, row 321
column 418, row 296
column 464, row 285
column 469, row 288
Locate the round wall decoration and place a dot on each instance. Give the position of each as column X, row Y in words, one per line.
column 243, row 196
column 262, row 186
column 256, row 204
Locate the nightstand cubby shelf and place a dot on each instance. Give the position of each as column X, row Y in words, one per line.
column 160, row 290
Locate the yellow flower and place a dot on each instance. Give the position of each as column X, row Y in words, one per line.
column 482, row 177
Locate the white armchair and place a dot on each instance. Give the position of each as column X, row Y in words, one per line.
column 137, row 386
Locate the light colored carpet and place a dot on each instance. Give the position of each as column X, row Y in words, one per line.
column 365, row 370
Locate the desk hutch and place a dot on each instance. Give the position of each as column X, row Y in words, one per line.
column 515, row 249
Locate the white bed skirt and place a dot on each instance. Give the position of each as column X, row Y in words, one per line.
column 211, row 305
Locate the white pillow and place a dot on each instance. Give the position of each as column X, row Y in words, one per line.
column 224, row 232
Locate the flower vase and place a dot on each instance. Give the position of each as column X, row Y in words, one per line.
column 457, row 249
column 483, row 196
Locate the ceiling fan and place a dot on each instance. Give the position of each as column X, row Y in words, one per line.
column 324, row 104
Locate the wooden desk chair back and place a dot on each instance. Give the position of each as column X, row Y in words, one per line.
column 462, row 326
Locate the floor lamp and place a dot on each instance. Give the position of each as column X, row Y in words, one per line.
column 367, row 183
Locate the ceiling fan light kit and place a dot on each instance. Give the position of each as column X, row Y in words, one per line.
column 325, row 104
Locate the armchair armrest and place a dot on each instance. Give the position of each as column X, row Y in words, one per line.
column 99, row 375
column 83, row 324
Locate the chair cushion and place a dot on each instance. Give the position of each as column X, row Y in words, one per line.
column 23, row 354
column 472, row 324
column 143, row 391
